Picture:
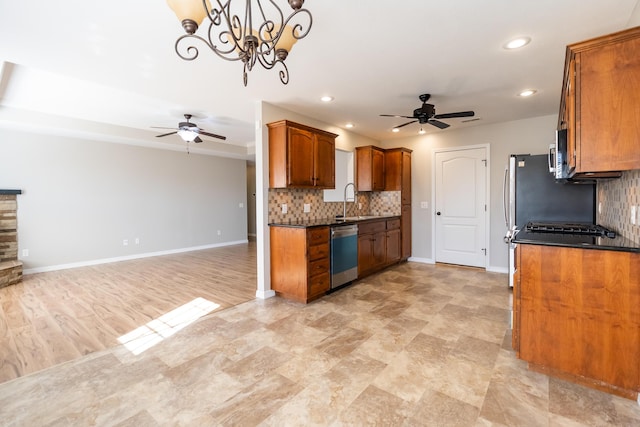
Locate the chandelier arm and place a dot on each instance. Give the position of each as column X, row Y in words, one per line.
column 298, row 26
column 238, row 42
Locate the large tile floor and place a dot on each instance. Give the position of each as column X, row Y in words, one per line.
column 417, row 345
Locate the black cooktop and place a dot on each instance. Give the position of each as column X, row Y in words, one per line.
column 570, row 228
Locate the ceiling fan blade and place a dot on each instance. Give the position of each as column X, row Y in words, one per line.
column 160, row 127
column 438, row 124
column 454, row 115
column 408, row 123
column 197, row 139
column 213, row 135
column 395, row 115
column 166, row 134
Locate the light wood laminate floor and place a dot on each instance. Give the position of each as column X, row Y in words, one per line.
column 54, row 317
column 414, row 345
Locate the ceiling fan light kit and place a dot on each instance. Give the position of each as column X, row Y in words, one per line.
column 426, row 114
column 189, row 132
column 259, row 33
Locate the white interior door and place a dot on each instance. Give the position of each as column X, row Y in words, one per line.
column 460, row 195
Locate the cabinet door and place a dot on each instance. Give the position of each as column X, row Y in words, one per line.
column 393, row 246
column 570, row 114
column 609, row 107
column 406, row 231
column 324, row 162
column 300, row 162
column 406, row 178
column 379, row 249
column 370, row 168
column 365, row 254
column 377, row 161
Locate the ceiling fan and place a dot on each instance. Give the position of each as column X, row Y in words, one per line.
column 188, row 131
column 427, row 114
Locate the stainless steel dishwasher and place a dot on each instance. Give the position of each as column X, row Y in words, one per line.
column 344, row 254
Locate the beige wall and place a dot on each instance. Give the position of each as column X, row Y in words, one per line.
column 517, row 137
column 82, row 198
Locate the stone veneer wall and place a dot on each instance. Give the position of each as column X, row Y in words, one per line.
column 372, row 203
column 617, row 196
column 10, row 267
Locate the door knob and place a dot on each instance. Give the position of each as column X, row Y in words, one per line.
column 438, row 213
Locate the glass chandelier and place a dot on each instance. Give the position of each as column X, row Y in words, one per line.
column 259, row 33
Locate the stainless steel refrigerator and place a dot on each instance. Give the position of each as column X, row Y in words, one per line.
column 531, row 193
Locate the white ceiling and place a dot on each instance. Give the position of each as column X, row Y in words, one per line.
column 109, row 69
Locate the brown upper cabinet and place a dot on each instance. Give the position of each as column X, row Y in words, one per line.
column 398, row 172
column 600, row 103
column 370, row 173
column 301, row 156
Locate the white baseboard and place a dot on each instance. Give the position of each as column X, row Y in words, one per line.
column 128, row 257
column 503, row 270
column 421, row 260
column 264, row 294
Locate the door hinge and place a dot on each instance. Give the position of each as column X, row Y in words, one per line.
column 485, row 208
column 485, row 251
column 485, row 162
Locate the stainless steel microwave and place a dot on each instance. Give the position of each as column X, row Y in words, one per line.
column 558, row 156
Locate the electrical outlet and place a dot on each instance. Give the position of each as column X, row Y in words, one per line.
column 25, row 253
column 219, row 232
column 284, row 208
column 125, row 242
column 424, row 205
column 241, row 205
column 633, row 214
column 137, row 240
column 307, row 207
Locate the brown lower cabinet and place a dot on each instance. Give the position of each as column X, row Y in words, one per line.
column 300, row 265
column 577, row 315
column 379, row 245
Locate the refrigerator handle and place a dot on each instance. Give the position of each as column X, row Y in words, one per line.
column 505, row 197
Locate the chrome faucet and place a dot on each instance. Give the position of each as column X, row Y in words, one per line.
column 344, row 202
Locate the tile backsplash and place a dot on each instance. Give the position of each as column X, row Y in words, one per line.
column 617, row 197
column 371, row 203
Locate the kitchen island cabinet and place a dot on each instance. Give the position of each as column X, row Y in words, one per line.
column 600, row 104
column 300, row 156
column 577, row 315
column 300, row 265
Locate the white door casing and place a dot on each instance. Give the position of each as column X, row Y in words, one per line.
column 461, row 206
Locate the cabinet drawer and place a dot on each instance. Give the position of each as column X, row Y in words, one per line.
column 393, row 224
column 372, row 227
column 319, row 252
column 319, row 284
column 318, row 235
column 318, row 267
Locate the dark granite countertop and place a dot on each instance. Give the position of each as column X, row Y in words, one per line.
column 4, row 191
column 619, row 243
column 323, row 222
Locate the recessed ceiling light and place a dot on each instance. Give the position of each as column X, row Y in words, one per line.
column 349, row 125
column 527, row 92
column 395, row 130
column 517, row 43
column 326, row 98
